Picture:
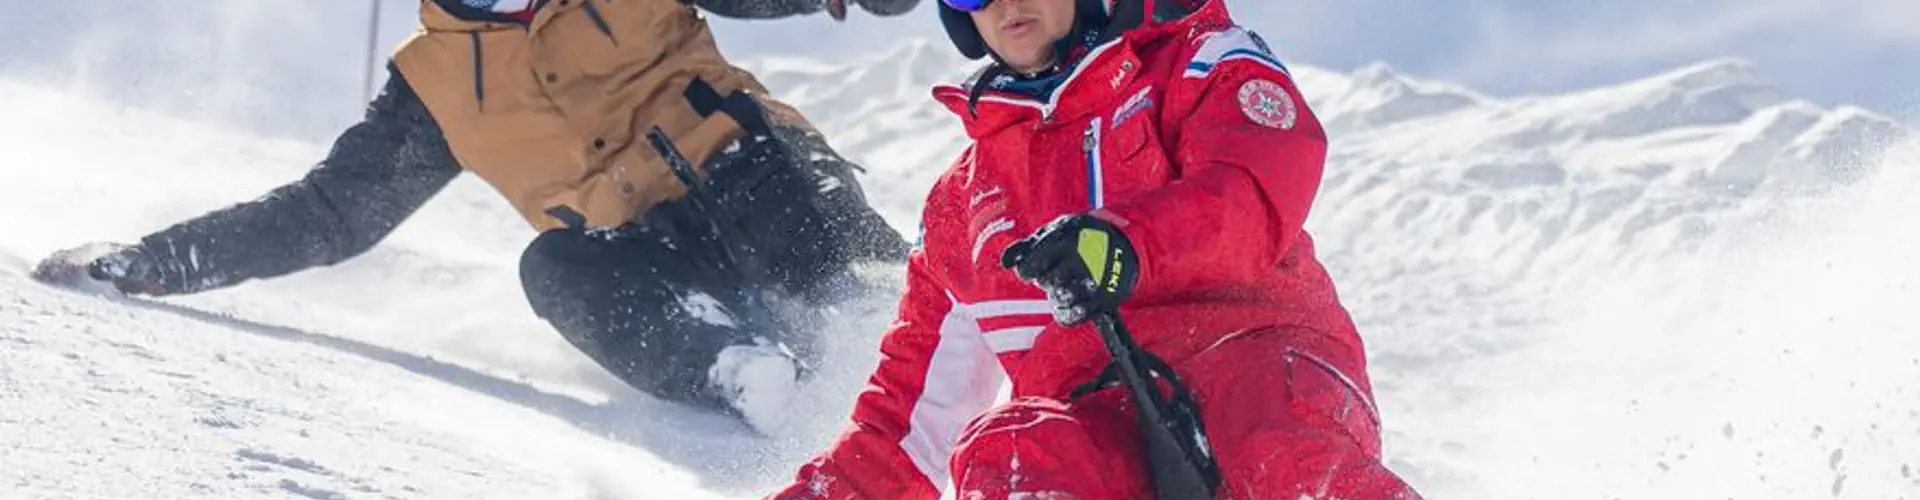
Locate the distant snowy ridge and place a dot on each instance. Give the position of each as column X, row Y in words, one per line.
column 1545, row 180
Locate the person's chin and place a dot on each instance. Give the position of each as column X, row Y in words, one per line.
column 1035, row 58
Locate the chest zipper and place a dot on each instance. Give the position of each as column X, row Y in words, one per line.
column 1090, row 144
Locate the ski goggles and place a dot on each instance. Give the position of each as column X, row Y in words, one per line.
column 967, row 5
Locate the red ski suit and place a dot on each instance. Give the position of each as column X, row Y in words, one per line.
column 1193, row 139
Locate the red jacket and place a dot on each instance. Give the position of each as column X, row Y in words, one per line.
column 1187, row 134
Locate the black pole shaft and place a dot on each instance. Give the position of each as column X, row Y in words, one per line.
column 1170, row 455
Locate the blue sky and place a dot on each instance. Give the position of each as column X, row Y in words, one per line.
column 1865, row 52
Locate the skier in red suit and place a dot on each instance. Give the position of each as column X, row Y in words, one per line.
column 1150, row 162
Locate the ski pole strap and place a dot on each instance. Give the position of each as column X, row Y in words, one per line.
column 1178, row 452
column 1109, row 377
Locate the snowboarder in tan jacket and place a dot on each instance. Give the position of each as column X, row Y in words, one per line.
column 575, row 111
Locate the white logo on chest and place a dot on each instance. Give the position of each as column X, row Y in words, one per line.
column 1134, row 105
column 982, row 196
column 998, row 226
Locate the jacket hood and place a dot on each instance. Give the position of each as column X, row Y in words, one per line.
column 454, row 16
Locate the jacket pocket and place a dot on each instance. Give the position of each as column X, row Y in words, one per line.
column 1133, row 159
column 1317, row 387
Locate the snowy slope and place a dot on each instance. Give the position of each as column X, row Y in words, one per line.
column 1676, row 287
column 156, row 401
column 415, row 371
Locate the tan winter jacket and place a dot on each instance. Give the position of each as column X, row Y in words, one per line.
column 554, row 113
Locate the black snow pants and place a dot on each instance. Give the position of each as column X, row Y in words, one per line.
column 656, row 300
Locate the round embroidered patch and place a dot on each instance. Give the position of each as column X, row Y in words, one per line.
column 1267, row 103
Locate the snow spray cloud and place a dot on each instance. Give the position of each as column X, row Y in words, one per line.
column 848, row 350
column 1782, row 368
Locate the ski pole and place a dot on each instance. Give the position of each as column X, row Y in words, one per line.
column 1180, row 459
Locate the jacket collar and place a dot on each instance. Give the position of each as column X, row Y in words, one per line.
column 458, row 16
column 1104, row 72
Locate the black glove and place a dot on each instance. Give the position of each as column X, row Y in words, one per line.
column 1085, row 264
column 102, row 267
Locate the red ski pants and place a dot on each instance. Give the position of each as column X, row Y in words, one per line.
column 1288, row 418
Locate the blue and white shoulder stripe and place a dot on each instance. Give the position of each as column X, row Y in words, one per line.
column 1232, row 44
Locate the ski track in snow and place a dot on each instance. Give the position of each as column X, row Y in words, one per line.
column 236, row 407
column 1685, row 286
column 153, row 398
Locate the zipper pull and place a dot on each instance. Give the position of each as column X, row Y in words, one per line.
column 1086, row 140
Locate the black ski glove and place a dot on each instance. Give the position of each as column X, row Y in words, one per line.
column 1085, row 264
column 102, row 267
